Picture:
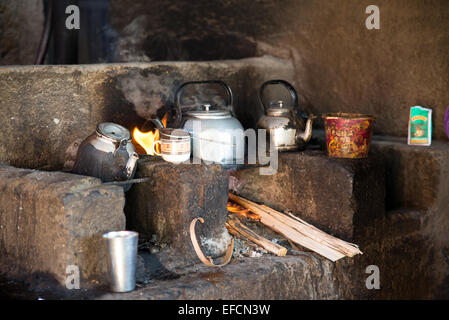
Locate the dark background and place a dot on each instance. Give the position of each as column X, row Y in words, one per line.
column 339, row 64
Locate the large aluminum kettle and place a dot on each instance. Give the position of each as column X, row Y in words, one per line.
column 217, row 136
column 284, row 122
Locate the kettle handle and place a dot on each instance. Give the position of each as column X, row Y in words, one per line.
column 290, row 89
column 178, row 95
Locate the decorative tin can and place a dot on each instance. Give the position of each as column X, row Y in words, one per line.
column 348, row 135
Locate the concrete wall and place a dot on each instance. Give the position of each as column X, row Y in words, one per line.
column 339, row 64
column 21, row 26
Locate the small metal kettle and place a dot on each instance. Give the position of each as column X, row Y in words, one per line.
column 284, row 123
column 220, row 137
column 107, row 154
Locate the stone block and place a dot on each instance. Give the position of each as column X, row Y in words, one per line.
column 409, row 259
column 333, row 194
column 175, row 195
column 50, row 220
column 305, row 276
column 416, row 177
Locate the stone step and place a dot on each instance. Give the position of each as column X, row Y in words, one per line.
column 51, row 220
column 416, row 177
column 336, row 195
column 176, row 194
column 305, row 276
column 409, row 255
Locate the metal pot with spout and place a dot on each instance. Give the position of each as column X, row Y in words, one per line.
column 107, row 154
column 285, row 123
column 217, row 136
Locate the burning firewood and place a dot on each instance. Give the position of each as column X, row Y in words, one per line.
column 238, row 229
column 240, row 211
column 299, row 231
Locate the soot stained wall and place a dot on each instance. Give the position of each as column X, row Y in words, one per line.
column 339, row 64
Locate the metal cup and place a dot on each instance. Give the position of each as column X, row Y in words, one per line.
column 122, row 252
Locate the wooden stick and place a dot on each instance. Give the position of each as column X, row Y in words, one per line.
column 300, row 232
column 348, row 249
column 236, row 227
column 246, row 240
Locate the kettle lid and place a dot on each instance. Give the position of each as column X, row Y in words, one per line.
column 113, row 131
column 208, row 113
column 174, row 134
column 277, row 109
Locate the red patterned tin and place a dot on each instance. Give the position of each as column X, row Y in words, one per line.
column 348, row 135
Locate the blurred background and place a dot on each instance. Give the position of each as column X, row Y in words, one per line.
column 336, row 60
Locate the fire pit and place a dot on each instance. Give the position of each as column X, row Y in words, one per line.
column 167, row 197
column 51, row 221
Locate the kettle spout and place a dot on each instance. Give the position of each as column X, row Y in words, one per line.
column 131, row 165
column 158, row 123
column 307, row 134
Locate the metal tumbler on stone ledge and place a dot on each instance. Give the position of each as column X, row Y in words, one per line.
column 122, row 254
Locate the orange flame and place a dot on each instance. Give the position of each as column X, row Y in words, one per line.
column 239, row 210
column 147, row 139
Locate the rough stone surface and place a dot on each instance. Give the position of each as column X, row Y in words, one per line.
column 50, row 220
column 21, row 27
column 410, row 260
column 417, row 177
column 299, row 277
column 339, row 64
column 175, row 195
column 304, row 276
column 50, row 107
column 333, row 194
column 410, row 244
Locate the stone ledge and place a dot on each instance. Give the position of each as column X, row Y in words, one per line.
column 294, row 277
column 50, row 220
column 333, row 194
column 44, row 109
column 409, row 256
column 416, row 177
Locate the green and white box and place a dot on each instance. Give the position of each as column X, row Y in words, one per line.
column 420, row 126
